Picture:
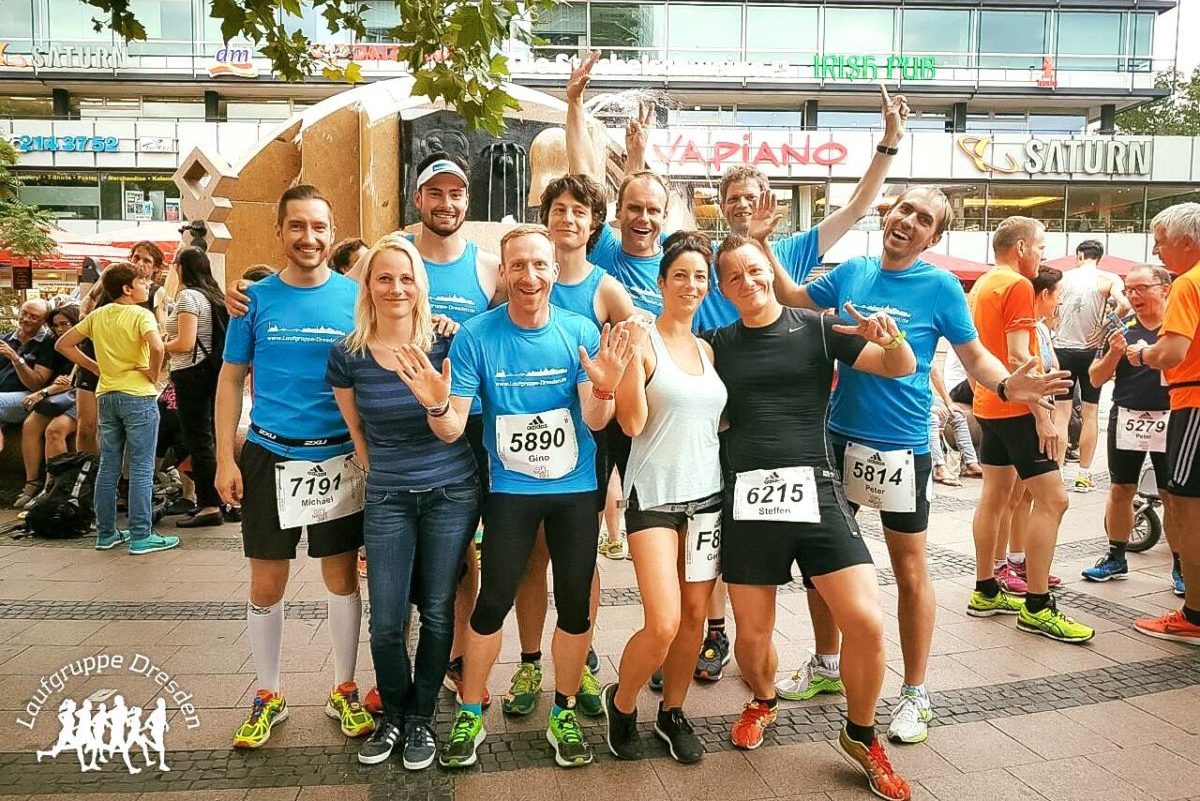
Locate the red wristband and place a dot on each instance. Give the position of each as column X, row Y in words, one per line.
column 601, row 395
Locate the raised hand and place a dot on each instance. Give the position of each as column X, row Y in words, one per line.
column 430, row 387
column 765, row 218
column 1024, row 386
column 879, row 328
column 616, row 350
column 580, row 76
column 895, row 116
column 637, row 132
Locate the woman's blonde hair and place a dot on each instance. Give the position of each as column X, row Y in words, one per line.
column 365, row 321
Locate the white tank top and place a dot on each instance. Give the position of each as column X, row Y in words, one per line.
column 676, row 458
column 1082, row 299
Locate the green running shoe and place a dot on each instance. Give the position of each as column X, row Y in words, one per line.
column 1003, row 604
column 564, row 733
column 811, row 680
column 1054, row 624
column 523, row 693
column 465, row 737
column 588, row 697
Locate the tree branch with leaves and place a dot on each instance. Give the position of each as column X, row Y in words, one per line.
column 24, row 229
column 453, row 50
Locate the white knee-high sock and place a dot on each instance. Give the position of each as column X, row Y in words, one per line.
column 265, row 627
column 345, row 616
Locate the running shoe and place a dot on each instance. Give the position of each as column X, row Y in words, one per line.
column 588, row 697
column 1171, row 626
column 565, row 735
column 714, row 655
column 593, row 661
column 380, row 744
column 420, row 746
column 1177, row 581
column 105, row 542
column 523, row 694
column 1003, row 604
column 1053, row 624
column 1051, row 579
column 267, row 710
column 656, row 681
column 461, row 750
column 344, row 707
column 373, row 703
column 1083, row 483
column 453, row 681
column 612, row 550
column 910, row 718
column 675, row 730
column 747, row 731
column 811, row 680
column 620, row 729
column 1072, row 454
column 151, row 544
column 1109, row 568
column 1010, row 579
column 874, row 764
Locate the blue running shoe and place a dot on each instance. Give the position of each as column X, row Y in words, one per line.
column 1177, row 580
column 105, row 542
column 1107, row 569
column 155, row 542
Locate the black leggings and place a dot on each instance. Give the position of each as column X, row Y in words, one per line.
column 195, row 392
column 510, row 524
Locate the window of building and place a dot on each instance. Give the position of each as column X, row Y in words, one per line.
column 849, row 119
column 257, row 109
column 859, row 31
column 942, row 33
column 629, row 30
column 1058, row 123
column 71, row 21
column 16, row 24
column 781, row 33
column 1143, row 42
column 969, row 203
column 182, row 108
column 312, row 24
column 1045, row 202
column 212, row 34
column 67, row 196
column 168, row 27
column 767, row 118
column 138, row 197
column 1012, row 39
column 997, row 122
column 1089, row 40
column 704, row 33
column 379, row 18
column 25, row 106
column 810, row 205
column 1097, row 208
column 701, row 116
column 1161, row 197
column 564, row 27
column 91, row 107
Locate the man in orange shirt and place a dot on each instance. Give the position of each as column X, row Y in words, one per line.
column 1177, row 353
column 1019, row 440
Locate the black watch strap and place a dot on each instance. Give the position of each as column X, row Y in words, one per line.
column 885, row 150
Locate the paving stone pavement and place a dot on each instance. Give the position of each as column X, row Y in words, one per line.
column 1017, row 715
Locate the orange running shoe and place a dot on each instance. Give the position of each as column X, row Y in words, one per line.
column 1171, row 626
column 874, row 764
column 373, row 703
column 748, row 730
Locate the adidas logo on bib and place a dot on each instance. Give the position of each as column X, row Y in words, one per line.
column 772, row 479
column 875, row 458
column 537, row 423
column 316, row 471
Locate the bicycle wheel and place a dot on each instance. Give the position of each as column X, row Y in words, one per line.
column 1147, row 528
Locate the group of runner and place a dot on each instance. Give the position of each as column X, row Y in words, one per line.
column 448, row 385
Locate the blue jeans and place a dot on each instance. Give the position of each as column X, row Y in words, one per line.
column 126, row 422
column 415, row 544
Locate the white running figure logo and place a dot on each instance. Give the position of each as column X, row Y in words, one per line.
column 84, row 728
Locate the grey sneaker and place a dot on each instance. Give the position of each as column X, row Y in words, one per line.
column 380, row 744
column 420, row 746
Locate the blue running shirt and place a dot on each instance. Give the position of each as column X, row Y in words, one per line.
column 638, row 274
column 454, row 288
column 579, row 298
column 926, row 303
column 285, row 339
column 527, row 382
column 797, row 253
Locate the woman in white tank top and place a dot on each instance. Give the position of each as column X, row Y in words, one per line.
column 670, row 402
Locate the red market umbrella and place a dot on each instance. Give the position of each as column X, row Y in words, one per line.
column 1112, row 264
column 965, row 270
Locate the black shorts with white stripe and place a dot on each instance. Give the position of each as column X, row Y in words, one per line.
column 1183, row 462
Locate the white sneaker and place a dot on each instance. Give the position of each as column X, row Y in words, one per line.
column 613, row 550
column 809, row 681
column 910, row 718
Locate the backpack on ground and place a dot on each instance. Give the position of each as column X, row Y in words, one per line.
column 65, row 508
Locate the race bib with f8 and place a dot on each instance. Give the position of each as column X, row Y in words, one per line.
column 541, row 445
column 703, row 559
column 786, row 494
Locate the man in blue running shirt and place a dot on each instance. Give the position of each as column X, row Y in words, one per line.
column 879, row 428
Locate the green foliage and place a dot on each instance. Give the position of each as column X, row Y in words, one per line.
column 24, row 229
column 1177, row 114
column 451, row 49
